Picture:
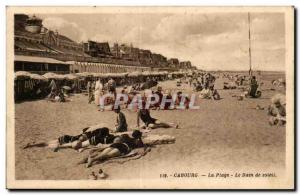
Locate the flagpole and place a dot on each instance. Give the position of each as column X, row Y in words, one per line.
column 250, row 65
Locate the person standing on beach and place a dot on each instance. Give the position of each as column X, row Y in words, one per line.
column 253, row 87
column 53, row 88
column 98, row 88
column 90, row 92
column 112, row 86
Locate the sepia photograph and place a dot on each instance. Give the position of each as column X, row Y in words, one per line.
column 150, row 97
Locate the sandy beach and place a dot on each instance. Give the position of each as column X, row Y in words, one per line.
column 222, row 135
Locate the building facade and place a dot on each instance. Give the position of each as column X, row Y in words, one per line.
column 47, row 50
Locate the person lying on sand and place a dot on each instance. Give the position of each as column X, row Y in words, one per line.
column 69, row 141
column 151, row 123
column 121, row 146
column 102, row 138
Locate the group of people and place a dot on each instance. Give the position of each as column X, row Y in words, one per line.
column 110, row 142
column 97, row 88
column 205, row 83
column 277, row 110
column 108, row 145
column 57, row 93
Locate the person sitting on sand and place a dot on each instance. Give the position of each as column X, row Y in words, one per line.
column 182, row 99
column 121, row 124
column 61, row 96
column 205, row 93
column 197, row 86
column 121, row 146
column 277, row 110
column 151, row 123
column 214, row 94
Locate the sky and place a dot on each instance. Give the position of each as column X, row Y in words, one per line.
column 211, row 41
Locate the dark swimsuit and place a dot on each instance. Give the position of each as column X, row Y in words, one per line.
column 127, row 146
column 67, row 139
column 96, row 132
column 122, row 147
column 146, row 118
column 95, row 140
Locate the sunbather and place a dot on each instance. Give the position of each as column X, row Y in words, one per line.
column 69, row 141
column 151, row 123
column 121, row 146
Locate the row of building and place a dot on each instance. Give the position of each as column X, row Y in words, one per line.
column 128, row 52
column 38, row 49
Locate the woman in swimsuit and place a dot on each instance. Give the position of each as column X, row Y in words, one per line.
column 151, row 123
column 121, row 146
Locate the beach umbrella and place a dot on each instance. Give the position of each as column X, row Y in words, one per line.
column 84, row 74
column 123, row 74
column 22, row 75
column 134, row 74
column 146, row 73
column 96, row 74
column 50, row 75
column 71, row 76
column 66, row 88
column 38, row 77
column 155, row 73
column 107, row 75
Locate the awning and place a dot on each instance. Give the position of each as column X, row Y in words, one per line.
column 38, row 59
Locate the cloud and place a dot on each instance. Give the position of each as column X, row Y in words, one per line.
column 177, row 27
column 65, row 27
column 210, row 41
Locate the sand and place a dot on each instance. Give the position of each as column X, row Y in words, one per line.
column 223, row 135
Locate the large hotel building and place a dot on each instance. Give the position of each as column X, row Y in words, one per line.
column 40, row 50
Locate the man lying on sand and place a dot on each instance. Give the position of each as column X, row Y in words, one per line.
column 121, row 146
column 91, row 134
